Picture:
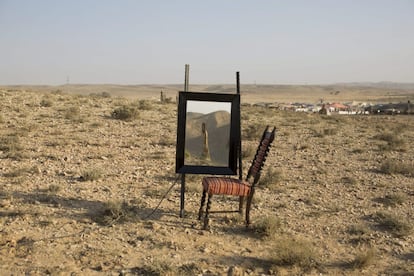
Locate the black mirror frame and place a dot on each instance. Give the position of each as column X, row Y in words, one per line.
column 231, row 168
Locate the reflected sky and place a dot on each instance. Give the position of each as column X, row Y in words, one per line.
column 206, row 107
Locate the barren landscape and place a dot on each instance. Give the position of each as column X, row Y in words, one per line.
column 84, row 168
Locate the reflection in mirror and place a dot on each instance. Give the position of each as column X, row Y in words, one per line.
column 207, row 133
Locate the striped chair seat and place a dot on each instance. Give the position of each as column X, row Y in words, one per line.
column 225, row 186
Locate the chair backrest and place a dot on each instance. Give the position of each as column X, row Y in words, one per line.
column 261, row 154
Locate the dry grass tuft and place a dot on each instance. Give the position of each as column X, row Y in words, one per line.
column 349, row 180
column 18, row 172
column 25, row 247
column 91, row 174
column 73, row 114
column 393, row 142
column 271, row 177
column 358, row 229
column 324, row 132
column 248, row 151
column 364, row 259
column 394, row 199
column 360, row 233
column 158, row 268
column 53, row 188
column 397, row 167
column 253, row 132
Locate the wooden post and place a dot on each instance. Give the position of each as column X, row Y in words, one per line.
column 182, row 196
column 240, row 142
column 241, row 199
column 186, row 77
column 205, row 154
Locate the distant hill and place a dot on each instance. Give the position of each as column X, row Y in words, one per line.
column 218, row 128
column 383, row 84
column 250, row 93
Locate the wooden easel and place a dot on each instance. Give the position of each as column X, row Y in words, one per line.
column 182, row 195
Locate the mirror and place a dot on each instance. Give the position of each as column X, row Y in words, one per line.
column 208, row 133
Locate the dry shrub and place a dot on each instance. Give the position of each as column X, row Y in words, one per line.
column 330, row 131
column 189, row 269
column 115, row 212
column 397, row 167
column 167, row 141
column 358, row 150
column 324, row 132
column 96, row 124
column 392, row 224
column 268, row 227
column 145, row 105
column 46, row 102
column 11, row 147
column 10, row 143
column 294, row 252
column 103, row 94
column 125, row 113
column 73, row 114
column 394, row 142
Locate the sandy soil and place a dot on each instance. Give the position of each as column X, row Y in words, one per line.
column 78, row 190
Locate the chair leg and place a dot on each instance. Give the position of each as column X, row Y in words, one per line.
column 241, row 204
column 248, row 206
column 203, row 200
column 206, row 219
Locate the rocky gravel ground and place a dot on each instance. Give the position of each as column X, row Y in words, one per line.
column 80, row 189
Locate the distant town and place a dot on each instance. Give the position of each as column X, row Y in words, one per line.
column 344, row 108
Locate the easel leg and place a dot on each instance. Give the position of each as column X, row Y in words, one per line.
column 182, row 197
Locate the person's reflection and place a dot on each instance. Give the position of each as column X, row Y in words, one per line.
column 205, row 154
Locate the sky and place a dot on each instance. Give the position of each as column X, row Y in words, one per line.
column 50, row 42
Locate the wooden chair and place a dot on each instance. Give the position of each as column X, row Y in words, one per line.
column 236, row 187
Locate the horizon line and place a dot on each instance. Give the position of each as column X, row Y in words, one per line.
column 175, row 84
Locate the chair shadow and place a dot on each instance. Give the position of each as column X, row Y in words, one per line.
column 408, row 256
column 89, row 209
column 85, row 211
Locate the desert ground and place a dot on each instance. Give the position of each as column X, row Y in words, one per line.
column 86, row 191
